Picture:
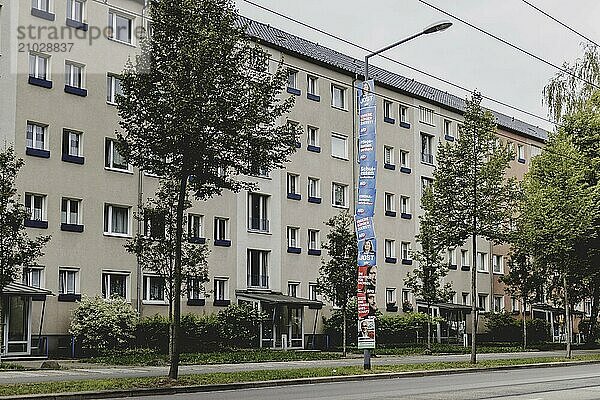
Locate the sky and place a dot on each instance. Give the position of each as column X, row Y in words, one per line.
column 460, row 54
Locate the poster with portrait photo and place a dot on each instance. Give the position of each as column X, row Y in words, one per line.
column 366, row 333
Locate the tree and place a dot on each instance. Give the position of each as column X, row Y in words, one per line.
column 338, row 278
column 471, row 195
column 156, row 246
column 201, row 107
column 17, row 250
column 425, row 281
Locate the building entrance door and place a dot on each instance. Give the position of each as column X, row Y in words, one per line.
column 18, row 322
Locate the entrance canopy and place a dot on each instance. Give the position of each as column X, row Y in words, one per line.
column 279, row 299
column 20, row 289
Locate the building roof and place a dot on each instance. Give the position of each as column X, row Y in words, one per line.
column 288, row 43
column 278, row 298
column 19, row 289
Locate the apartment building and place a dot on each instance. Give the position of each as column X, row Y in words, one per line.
column 58, row 110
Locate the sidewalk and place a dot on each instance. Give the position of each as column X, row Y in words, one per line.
column 74, row 370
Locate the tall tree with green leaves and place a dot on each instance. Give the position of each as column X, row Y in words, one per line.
column 472, row 197
column 201, row 106
column 17, row 249
column 425, row 281
column 338, row 276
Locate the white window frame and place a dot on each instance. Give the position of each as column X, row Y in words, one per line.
column 344, row 188
column 427, row 148
column 404, row 159
column 108, row 274
column 501, row 303
column 464, row 258
column 403, row 113
column 405, row 250
column 43, row 211
column 71, row 8
column 313, row 291
column 388, row 110
column 312, row 85
column 388, row 155
column 340, row 137
column 498, row 264
column 293, row 237
column 109, row 210
column 113, row 87
column 482, row 262
column 485, row 297
column 39, row 5
column 426, row 116
column 263, row 213
column 70, row 133
column 314, row 241
column 292, row 81
column 521, row 152
column 112, row 23
column 390, row 296
column 196, row 291
column 263, row 267
column 293, row 181
column 452, row 260
column 146, row 289
column 34, row 70
column 217, row 228
column 342, row 90
column 390, row 202
column 390, row 248
column 191, row 225
column 221, row 293
column 405, row 205
column 293, row 289
column 312, row 136
column 316, row 185
column 448, row 128
column 67, row 271
column 70, row 67
column 110, row 158
column 27, row 277
column 67, row 219
column 34, row 127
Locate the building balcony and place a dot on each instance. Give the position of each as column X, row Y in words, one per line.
column 258, row 225
column 258, row 281
column 427, row 158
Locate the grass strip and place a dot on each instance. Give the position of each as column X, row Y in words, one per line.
column 262, row 375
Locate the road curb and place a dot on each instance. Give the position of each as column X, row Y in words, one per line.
column 282, row 382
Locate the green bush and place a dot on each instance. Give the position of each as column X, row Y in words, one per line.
column 503, row 327
column 584, row 326
column 538, row 331
column 153, row 333
column 239, row 326
column 100, row 325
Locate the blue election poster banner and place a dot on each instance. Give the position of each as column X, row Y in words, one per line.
column 367, row 252
column 366, row 149
column 366, row 202
column 366, row 95
column 364, row 228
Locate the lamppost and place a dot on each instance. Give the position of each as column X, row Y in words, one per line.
column 436, row 27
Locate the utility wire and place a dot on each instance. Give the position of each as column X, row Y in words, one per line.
column 561, row 23
column 563, row 70
column 319, row 30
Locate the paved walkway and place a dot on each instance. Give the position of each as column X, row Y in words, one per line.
column 74, row 370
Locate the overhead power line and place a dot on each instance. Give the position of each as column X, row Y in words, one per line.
column 440, row 79
column 506, row 42
column 561, row 23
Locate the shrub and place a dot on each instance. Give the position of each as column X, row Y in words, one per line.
column 200, row 333
column 503, row 327
column 538, row 331
column 101, row 325
column 153, row 333
column 239, row 325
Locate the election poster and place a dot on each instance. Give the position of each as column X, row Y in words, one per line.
column 366, row 333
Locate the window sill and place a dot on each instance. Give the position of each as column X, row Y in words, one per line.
column 71, row 228
column 391, row 307
column 314, row 252
column 406, row 262
column 482, row 271
column 196, row 302
column 155, row 302
column 121, row 42
column 76, row 91
column 498, row 273
column 294, row 250
column 197, row 240
column 117, row 235
column 391, row 260
column 405, row 170
column 391, row 167
column 521, row 160
column 314, row 200
column 294, row 91
column 221, row 303
column 405, row 125
column 465, row 267
column 30, row 223
column 259, row 232
column 110, row 103
column 294, row 196
column 337, row 206
column 40, row 82
column 405, row 216
column 222, row 243
column 121, row 171
column 390, row 213
column 313, row 97
column 48, row 16
column 426, row 123
column 453, row 267
column 389, row 120
column 69, row 297
column 339, row 108
column 314, row 149
column 71, row 23
column 73, row 159
column 449, row 138
column 340, row 158
column 30, row 151
column 430, row 164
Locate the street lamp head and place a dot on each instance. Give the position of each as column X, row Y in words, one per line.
column 437, row 27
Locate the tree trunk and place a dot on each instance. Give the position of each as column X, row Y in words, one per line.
column 2, row 344
column 474, row 301
column 524, row 326
column 344, row 331
column 567, row 316
column 429, row 327
column 176, row 324
column 590, row 337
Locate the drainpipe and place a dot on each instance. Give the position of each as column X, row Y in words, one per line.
column 139, row 229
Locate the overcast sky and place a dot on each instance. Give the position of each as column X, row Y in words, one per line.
column 460, row 54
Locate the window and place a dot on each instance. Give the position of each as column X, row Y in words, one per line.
column 74, row 74
column 43, row 5
column 426, row 148
column 258, row 269
column 466, row 299
column 426, row 115
column 154, row 289
column 390, row 202
column 35, row 205
column 390, row 296
column 425, row 183
column 313, row 240
column 314, row 188
column 339, row 146
column 313, row 136
column 39, row 66
column 498, row 264
column 498, row 303
column 313, row 291
column 292, row 183
column 37, row 136
column 403, row 110
column 116, row 220
column 112, row 158
column 406, row 296
column 292, row 236
column 338, row 97
column 405, row 205
column 521, row 152
column 113, row 88
column 68, row 281
column 535, row 151
column 339, row 195
column 70, row 211
column 312, row 85
column 221, row 289
column 482, row 302
column 195, row 226
column 388, row 155
column 195, row 289
column 72, row 143
column 452, row 256
column 405, row 249
column 114, row 284
column 482, row 262
column 75, row 10
column 390, row 248
column 154, row 224
column 292, row 79
column 448, row 128
column 257, row 212
column 514, row 304
column 221, row 231
column 388, row 112
column 33, row 276
column 511, row 149
column 293, row 289
column 464, row 258
column 120, row 27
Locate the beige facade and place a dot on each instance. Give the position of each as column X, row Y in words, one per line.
column 87, row 254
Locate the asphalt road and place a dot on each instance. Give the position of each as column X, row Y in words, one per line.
column 77, row 371
column 561, row 383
